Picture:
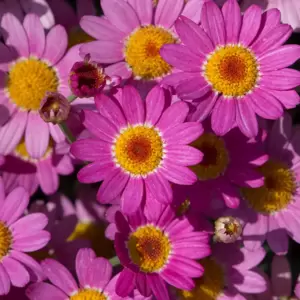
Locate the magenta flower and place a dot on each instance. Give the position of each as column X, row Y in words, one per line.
column 270, row 212
column 93, row 273
column 229, row 273
column 223, row 169
column 19, row 235
column 158, row 251
column 137, row 148
column 235, row 67
column 32, row 65
column 20, row 169
column 130, row 35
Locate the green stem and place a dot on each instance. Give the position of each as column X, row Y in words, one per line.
column 67, row 132
column 72, row 98
column 114, row 261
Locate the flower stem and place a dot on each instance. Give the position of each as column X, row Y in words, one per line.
column 67, row 132
column 114, row 261
column 72, row 98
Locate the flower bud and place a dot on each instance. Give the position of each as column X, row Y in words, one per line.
column 87, row 78
column 227, row 230
column 54, row 108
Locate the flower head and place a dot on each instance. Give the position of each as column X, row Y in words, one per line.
column 136, row 33
column 19, row 235
column 93, row 273
column 138, row 147
column 232, row 66
column 227, row 229
column 157, row 252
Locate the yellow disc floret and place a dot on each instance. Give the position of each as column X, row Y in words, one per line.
column 88, row 294
column 232, row 70
column 142, row 52
column 149, row 248
column 139, row 150
column 215, row 156
column 210, row 285
column 28, row 82
column 5, row 239
column 277, row 191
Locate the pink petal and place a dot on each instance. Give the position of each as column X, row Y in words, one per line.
column 252, row 283
column 33, row 242
column 36, row 136
column 277, row 237
column 186, row 266
column 193, row 36
column 192, row 10
column 56, row 44
column 183, row 155
column 95, row 172
column 12, row 132
column 281, row 277
column 65, row 165
column 177, row 279
column 143, row 10
column 158, row 287
column 167, row 12
column 4, row 281
column 223, row 115
column 112, row 186
column 284, row 79
column 44, row 291
column 101, row 29
column 265, row 105
column 47, row 176
column 110, row 109
column 173, row 115
column 59, row 276
column 118, row 69
column 246, row 177
column 18, row 275
column 125, row 283
column 177, row 78
column 14, row 34
column 155, row 102
column 181, row 57
column 56, row 133
column 105, row 52
column 213, row 22
column 36, row 35
column 84, row 259
column 2, row 192
column 120, row 14
column 14, row 205
column 143, row 285
column 132, row 196
column 289, row 99
column 233, row 20
column 133, row 105
column 230, row 195
column 251, row 258
column 178, row 174
column 99, row 126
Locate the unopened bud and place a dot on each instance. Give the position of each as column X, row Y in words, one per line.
column 55, row 108
column 227, row 230
column 87, row 78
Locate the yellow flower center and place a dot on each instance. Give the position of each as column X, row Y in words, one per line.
column 139, row 150
column 142, row 52
column 215, row 159
column 22, row 153
column 88, row 294
column 276, row 193
column 28, row 82
column 149, row 248
column 78, row 36
column 5, row 239
column 95, row 233
column 232, row 70
column 210, row 285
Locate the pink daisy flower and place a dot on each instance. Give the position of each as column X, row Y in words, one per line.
column 138, row 147
column 20, row 169
column 223, row 169
column 289, row 10
column 158, row 251
column 234, row 66
column 94, row 277
column 19, row 235
column 270, row 212
column 280, row 285
column 229, row 274
column 131, row 33
column 36, row 65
